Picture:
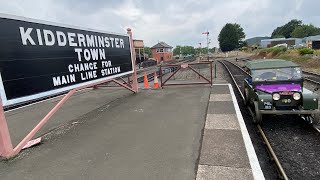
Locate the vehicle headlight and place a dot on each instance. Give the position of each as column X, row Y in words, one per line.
column 276, row 96
column 296, row 96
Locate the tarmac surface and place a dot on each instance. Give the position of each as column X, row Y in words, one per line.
column 113, row 134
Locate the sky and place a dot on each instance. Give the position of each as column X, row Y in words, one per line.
column 179, row 22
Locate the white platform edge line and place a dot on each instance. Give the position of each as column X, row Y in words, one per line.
column 253, row 159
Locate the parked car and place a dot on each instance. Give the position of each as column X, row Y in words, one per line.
column 276, row 87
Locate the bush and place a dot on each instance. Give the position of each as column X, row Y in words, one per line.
column 316, row 52
column 303, row 51
column 244, row 49
column 277, row 50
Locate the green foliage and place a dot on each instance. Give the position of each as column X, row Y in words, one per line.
column 317, row 52
column 201, row 50
column 275, row 50
column 176, row 50
column 241, row 35
column 185, row 50
column 304, row 50
column 305, row 31
column 244, row 49
column 286, row 29
column 231, row 37
column 278, row 36
column 147, row 50
column 212, row 50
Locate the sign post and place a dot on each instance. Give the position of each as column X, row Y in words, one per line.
column 40, row 59
column 133, row 59
column 5, row 141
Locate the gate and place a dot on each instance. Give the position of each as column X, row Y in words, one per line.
column 178, row 67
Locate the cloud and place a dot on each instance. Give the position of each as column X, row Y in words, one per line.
column 175, row 22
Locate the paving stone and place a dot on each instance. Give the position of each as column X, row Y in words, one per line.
column 221, row 107
column 222, row 121
column 220, row 89
column 224, row 148
column 220, row 97
column 206, row 172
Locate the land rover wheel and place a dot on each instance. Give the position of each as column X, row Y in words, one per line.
column 246, row 96
column 316, row 118
column 258, row 116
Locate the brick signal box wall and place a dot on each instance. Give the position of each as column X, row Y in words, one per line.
column 161, row 56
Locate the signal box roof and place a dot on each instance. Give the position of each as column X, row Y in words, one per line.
column 270, row 64
column 161, row 45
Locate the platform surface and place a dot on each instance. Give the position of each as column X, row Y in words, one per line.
column 227, row 151
column 155, row 134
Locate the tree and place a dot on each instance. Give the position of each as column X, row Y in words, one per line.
column 147, row 50
column 176, row 51
column 185, row 50
column 305, row 31
column 231, row 37
column 286, row 29
column 241, row 35
column 201, row 50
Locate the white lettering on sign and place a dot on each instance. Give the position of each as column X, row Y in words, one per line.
column 61, row 38
column 66, row 79
column 70, row 38
column 90, row 54
column 49, row 38
column 39, row 37
column 25, row 36
column 88, row 48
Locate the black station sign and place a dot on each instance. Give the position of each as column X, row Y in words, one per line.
column 39, row 59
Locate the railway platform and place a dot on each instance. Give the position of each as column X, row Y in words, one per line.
column 227, row 151
column 114, row 134
column 110, row 133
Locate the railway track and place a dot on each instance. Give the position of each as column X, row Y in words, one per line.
column 312, row 77
column 280, row 130
column 237, row 78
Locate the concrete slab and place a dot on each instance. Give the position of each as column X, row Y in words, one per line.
column 219, row 81
column 150, row 135
column 221, row 107
column 222, row 121
column 224, row 148
column 220, row 97
column 220, row 89
column 78, row 105
column 206, row 172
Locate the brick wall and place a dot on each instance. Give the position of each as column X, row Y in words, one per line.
column 165, row 56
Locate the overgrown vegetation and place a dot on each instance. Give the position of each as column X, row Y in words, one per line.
column 274, row 50
column 304, row 51
column 306, row 57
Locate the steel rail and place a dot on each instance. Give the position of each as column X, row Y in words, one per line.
column 269, row 147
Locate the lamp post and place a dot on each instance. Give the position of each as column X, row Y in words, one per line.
column 200, row 51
